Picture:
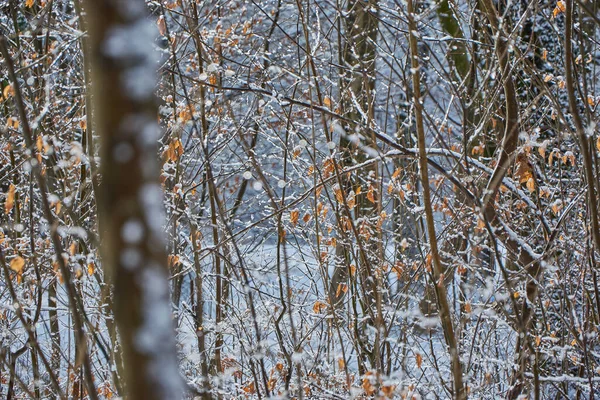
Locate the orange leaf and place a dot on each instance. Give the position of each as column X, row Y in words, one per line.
column 17, row 264
column 249, row 388
column 338, row 195
column 560, row 8
column 351, row 200
column 173, row 260
column 162, row 26
column 39, row 143
column 73, row 248
column 419, row 360
column 8, row 91
column 185, row 115
column 398, row 268
column 388, row 390
column 10, row 199
column 12, row 122
column 294, row 215
column 556, row 206
column 29, row 3
column 367, row 385
column 342, row 288
column 352, row 270
column 531, row 185
column 319, row 307
column 371, row 194
column 328, row 167
column 175, row 150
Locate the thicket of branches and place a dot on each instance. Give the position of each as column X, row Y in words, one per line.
column 364, row 199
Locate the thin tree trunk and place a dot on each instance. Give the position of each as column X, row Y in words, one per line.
column 437, row 269
column 130, row 204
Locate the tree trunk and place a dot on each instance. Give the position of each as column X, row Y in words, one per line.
column 130, row 204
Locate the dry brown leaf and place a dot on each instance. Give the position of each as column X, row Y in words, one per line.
column 342, row 288
column 560, row 8
column 73, row 248
column 249, row 388
column 371, row 194
column 10, row 199
column 351, row 200
column 368, row 386
column 398, row 268
column 8, row 91
column 172, row 260
column 39, row 143
column 162, row 26
column 388, row 390
column 12, row 122
column 17, row 264
column 175, row 150
column 328, row 167
column 591, row 101
column 319, row 306
column 294, row 216
column 339, row 195
column 352, row 270
column 531, row 185
column 306, row 217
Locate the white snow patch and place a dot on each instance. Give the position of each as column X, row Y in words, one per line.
column 131, row 258
column 132, row 231
column 131, row 46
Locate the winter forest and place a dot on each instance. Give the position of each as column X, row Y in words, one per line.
column 299, row 199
